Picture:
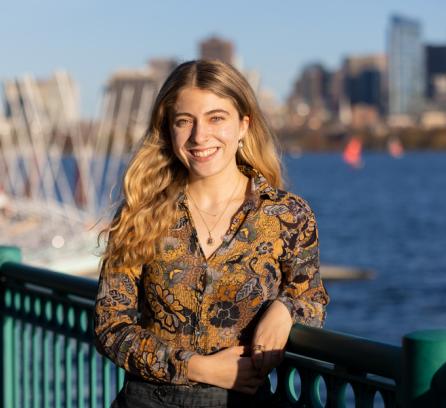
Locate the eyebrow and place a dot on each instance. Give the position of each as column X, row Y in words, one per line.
column 211, row 112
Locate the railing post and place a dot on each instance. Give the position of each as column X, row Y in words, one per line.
column 7, row 254
column 10, row 254
column 424, row 369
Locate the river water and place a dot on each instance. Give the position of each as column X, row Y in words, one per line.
column 389, row 216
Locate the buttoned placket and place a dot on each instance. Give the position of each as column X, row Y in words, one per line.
column 244, row 210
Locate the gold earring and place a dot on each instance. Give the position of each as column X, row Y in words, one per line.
column 240, row 144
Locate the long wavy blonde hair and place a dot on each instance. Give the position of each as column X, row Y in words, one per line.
column 155, row 177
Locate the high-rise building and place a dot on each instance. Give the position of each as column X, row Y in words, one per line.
column 436, row 73
column 363, row 90
column 364, row 80
column 406, row 66
column 216, row 48
column 312, row 87
column 129, row 95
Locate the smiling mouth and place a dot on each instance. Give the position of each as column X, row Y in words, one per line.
column 203, row 153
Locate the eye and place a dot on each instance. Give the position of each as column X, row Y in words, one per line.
column 217, row 119
column 183, row 122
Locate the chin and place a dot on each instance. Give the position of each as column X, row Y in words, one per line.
column 207, row 171
column 202, row 173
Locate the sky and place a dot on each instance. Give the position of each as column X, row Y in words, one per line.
column 92, row 39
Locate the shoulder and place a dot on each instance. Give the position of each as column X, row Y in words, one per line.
column 298, row 223
column 288, row 205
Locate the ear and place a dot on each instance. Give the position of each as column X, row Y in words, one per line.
column 244, row 126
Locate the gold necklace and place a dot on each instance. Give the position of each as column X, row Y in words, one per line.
column 206, row 212
column 210, row 240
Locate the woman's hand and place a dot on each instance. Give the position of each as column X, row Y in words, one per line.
column 226, row 369
column 270, row 338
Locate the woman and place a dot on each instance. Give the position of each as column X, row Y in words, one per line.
column 208, row 262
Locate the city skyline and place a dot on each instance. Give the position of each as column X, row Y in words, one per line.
column 93, row 42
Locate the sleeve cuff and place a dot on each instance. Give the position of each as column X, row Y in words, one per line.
column 302, row 312
column 182, row 358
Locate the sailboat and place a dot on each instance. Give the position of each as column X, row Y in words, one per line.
column 352, row 154
column 395, row 148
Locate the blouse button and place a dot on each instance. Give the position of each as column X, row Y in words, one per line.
column 200, row 297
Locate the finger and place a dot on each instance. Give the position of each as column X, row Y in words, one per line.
column 248, row 374
column 257, row 359
column 246, row 350
column 239, row 350
column 267, row 363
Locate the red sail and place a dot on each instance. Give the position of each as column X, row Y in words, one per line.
column 352, row 152
column 395, row 148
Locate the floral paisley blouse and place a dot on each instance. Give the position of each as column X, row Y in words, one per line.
column 150, row 320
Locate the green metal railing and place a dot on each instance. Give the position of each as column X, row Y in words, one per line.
column 48, row 358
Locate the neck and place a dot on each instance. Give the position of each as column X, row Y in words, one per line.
column 216, row 188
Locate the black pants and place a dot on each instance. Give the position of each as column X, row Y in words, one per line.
column 141, row 394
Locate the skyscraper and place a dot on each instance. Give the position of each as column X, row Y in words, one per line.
column 436, row 73
column 406, row 66
column 217, row 48
column 363, row 89
column 364, row 81
column 129, row 95
column 312, row 86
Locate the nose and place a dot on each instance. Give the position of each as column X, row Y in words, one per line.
column 200, row 133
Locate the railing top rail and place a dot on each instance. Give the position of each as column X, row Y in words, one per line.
column 60, row 282
column 346, row 350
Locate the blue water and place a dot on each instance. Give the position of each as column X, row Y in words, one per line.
column 389, row 216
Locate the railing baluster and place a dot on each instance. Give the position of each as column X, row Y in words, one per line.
column 106, row 365
column 363, row 395
column 7, row 352
column 16, row 369
column 48, row 352
column 59, row 319
column 46, row 367
column 36, row 331
column 57, row 362
column 92, row 375
column 335, row 392
column 80, row 374
column 26, row 351
column 68, row 372
column 120, row 374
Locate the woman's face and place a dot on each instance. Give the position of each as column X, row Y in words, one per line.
column 205, row 131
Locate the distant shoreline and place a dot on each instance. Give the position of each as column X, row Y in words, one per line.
column 295, row 141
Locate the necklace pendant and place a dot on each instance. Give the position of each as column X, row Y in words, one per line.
column 210, row 241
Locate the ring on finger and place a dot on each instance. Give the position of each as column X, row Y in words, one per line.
column 258, row 347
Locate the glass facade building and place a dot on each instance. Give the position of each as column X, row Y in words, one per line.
column 406, row 66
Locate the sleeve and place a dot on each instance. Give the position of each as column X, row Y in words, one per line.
column 119, row 337
column 301, row 289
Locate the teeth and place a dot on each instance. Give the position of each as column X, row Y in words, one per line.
column 204, row 153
